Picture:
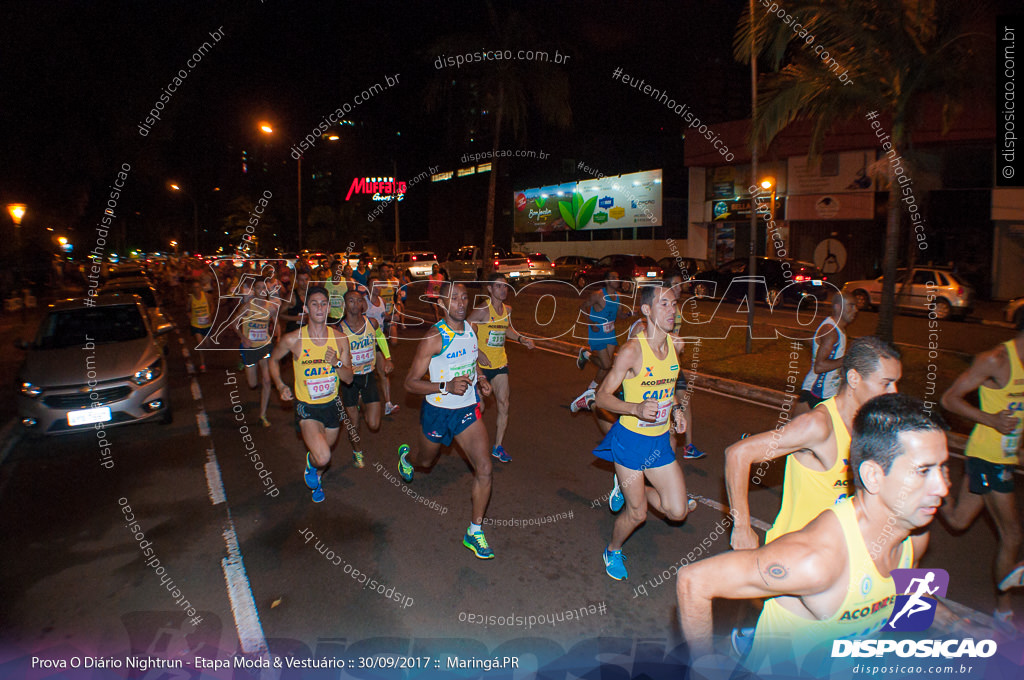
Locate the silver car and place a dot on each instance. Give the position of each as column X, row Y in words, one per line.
column 94, row 360
column 420, row 263
column 540, row 266
column 952, row 297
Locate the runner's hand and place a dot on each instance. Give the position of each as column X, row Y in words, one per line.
column 1004, row 422
column 526, row 342
column 388, row 366
column 286, row 393
column 458, row 386
column 678, row 420
column 485, row 386
column 743, row 538
column 648, row 410
column 331, row 356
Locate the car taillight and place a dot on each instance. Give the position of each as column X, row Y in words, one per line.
column 528, row 261
column 959, row 291
column 413, row 258
column 495, row 263
column 801, row 277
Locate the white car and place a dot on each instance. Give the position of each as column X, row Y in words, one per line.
column 540, row 266
column 952, row 297
column 420, row 263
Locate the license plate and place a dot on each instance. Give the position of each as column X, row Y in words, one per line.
column 100, row 414
column 651, row 275
column 513, row 274
column 815, row 282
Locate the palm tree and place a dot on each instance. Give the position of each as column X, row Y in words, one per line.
column 505, row 92
column 902, row 58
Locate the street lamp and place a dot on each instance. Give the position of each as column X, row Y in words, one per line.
column 195, row 218
column 267, row 129
column 768, row 183
column 17, row 212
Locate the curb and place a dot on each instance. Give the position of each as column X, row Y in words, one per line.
column 762, row 395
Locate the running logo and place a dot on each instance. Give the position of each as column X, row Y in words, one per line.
column 915, row 608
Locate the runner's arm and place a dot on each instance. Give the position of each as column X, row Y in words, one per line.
column 280, row 351
column 795, row 564
column 344, row 371
column 802, row 433
column 986, row 366
column 428, row 347
column 822, row 364
column 627, row 362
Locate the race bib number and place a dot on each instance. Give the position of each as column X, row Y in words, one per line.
column 608, row 326
column 258, row 334
column 660, row 418
column 496, row 339
column 1010, row 443
column 337, row 302
column 362, row 360
column 320, row 388
column 463, row 369
column 203, row 320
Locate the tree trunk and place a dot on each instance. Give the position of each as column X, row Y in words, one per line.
column 887, row 310
column 492, row 187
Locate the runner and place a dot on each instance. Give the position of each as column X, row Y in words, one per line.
column 828, row 346
column 434, row 281
column 255, row 326
column 294, row 315
column 376, row 309
column 336, row 288
column 602, row 307
column 320, row 357
column 842, row 561
column 992, row 451
column 450, row 409
column 638, row 443
column 363, row 334
column 388, row 293
column 817, row 446
column 200, row 315
column 684, row 392
column 492, row 328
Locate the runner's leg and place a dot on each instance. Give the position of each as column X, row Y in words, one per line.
column 631, row 482
column 1003, row 508
column 667, row 493
column 473, row 441
column 501, row 395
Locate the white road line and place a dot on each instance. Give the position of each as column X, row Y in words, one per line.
column 243, row 605
column 754, row 522
column 203, row 423
column 197, row 393
column 214, row 484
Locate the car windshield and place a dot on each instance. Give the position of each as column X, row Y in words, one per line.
column 144, row 292
column 539, row 257
column 75, row 327
column 644, row 261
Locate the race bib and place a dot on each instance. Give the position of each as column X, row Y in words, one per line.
column 660, row 418
column 1010, row 443
column 362, row 360
column 319, row 388
column 462, row 369
column 496, row 339
column 258, row 334
column 203, row 320
column 608, row 326
column 337, row 302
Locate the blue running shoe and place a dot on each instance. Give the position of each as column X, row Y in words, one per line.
column 318, row 494
column 478, row 544
column 500, row 453
column 310, row 475
column 404, row 469
column 691, row 452
column 613, row 564
column 615, row 499
column 742, row 640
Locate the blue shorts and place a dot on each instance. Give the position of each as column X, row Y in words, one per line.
column 598, row 344
column 441, row 425
column 635, row 451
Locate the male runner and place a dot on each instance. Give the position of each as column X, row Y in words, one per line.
column 841, row 562
column 256, row 324
column 363, row 335
column 646, row 367
column 336, row 289
column 992, row 449
column 816, row 444
column 450, row 410
column 602, row 308
column 320, row 357
column 828, row 346
column 293, row 315
column 375, row 308
column 200, row 309
column 683, row 391
column 492, row 328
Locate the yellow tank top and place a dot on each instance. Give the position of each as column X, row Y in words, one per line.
column 200, row 311
column 255, row 326
column 316, row 381
column 806, row 493
column 336, row 294
column 989, row 444
column 388, row 287
column 363, row 346
column 491, row 336
column 783, row 637
column 656, row 380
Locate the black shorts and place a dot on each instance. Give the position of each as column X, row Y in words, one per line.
column 362, row 385
column 984, row 476
column 200, row 331
column 491, row 373
column 252, row 355
column 809, row 398
column 326, row 413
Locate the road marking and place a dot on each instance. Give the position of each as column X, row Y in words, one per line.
column 214, row 484
column 243, row 605
column 197, row 393
column 754, row 522
column 203, row 423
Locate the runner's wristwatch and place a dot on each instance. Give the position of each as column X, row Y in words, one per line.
column 443, row 384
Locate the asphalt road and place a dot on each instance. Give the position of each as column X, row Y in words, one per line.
column 74, row 577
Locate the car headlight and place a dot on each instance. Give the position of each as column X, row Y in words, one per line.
column 148, row 374
column 30, row 390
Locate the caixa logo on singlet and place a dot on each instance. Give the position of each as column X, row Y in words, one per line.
column 917, row 591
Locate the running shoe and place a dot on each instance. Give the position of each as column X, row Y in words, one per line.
column 478, row 544
column 691, row 505
column 318, row 495
column 615, row 499
column 390, row 408
column 742, row 640
column 500, row 453
column 357, row 459
column 404, row 469
column 583, row 402
column 310, row 475
column 691, row 452
column 582, row 358
column 264, row 422
column 1015, row 579
column 613, row 564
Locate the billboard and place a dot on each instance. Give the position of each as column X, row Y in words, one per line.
column 631, row 200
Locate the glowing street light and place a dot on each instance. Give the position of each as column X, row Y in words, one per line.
column 267, row 129
column 17, row 211
column 195, row 216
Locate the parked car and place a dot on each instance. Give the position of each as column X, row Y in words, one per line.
column 514, row 267
column 540, row 265
column 685, row 266
column 1014, row 313
column 952, row 297
column 419, row 262
column 632, row 269
column 568, row 265
column 467, row 263
column 145, row 291
column 793, row 279
column 93, row 361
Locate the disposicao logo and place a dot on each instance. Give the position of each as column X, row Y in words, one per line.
column 914, row 610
